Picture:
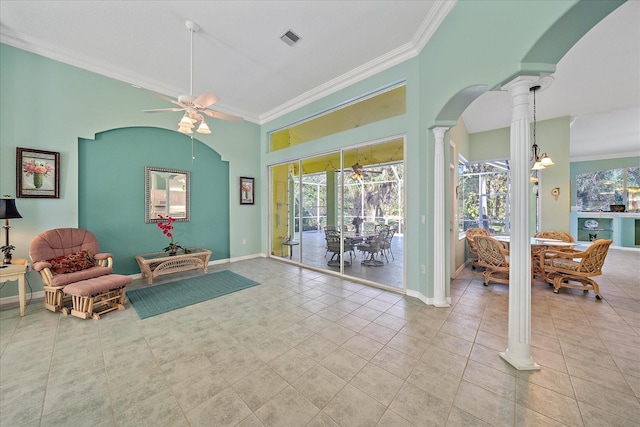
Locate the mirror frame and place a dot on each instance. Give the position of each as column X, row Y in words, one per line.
column 148, row 170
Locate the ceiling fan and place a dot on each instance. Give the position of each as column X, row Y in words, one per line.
column 360, row 172
column 195, row 108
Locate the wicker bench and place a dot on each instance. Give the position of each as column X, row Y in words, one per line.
column 159, row 263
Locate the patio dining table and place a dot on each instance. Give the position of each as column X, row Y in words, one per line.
column 352, row 239
column 356, row 238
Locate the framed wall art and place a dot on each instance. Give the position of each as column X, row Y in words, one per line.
column 37, row 173
column 247, row 190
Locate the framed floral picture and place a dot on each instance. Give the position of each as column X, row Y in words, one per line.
column 247, row 190
column 37, row 173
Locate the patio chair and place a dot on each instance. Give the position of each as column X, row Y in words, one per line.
column 334, row 246
column 471, row 244
column 373, row 247
column 563, row 267
column 494, row 258
column 386, row 245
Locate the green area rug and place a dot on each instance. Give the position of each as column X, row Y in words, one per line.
column 158, row 299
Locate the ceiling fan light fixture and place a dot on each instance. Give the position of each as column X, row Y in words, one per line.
column 194, row 105
column 203, row 128
column 185, row 121
column 184, row 129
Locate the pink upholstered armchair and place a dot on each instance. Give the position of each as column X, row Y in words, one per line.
column 73, row 269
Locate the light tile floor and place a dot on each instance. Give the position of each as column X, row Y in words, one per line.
column 309, row 349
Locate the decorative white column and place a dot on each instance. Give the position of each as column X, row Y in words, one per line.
column 439, row 225
column 518, row 352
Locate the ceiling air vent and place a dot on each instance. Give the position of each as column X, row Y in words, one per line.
column 290, row 38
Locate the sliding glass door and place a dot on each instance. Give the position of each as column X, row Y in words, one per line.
column 327, row 211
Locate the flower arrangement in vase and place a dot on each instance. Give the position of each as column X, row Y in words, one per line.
column 246, row 189
column 38, row 169
column 167, row 228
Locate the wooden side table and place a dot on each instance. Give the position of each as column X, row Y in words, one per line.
column 11, row 272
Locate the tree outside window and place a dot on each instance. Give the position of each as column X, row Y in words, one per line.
column 483, row 196
column 596, row 191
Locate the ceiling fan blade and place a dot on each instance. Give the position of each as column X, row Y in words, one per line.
column 222, row 116
column 205, row 100
column 163, row 110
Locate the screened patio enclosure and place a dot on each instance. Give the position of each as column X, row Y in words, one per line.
column 316, row 193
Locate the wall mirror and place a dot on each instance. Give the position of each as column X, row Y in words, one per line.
column 166, row 194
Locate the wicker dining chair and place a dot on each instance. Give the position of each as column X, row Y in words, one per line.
column 538, row 252
column 471, row 244
column 494, row 258
column 563, row 267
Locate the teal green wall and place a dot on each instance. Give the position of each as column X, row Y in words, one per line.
column 587, row 166
column 116, row 159
column 489, row 145
column 554, row 138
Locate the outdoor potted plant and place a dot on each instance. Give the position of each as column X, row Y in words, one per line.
column 357, row 222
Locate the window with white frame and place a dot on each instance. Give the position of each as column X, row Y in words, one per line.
column 483, row 196
column 597, row 191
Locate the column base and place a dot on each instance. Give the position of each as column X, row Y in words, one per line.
column 442, row 304
column 520, row 364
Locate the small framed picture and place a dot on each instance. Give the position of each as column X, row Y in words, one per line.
column 247, row 190
column 37, row 173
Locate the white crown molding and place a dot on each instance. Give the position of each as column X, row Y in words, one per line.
column 432, row 21
column 349, row 78
column 605, row 156
column 407, row 51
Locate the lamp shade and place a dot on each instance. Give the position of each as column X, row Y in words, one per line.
column 8, row 209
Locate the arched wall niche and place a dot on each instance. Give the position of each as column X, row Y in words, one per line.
column 111, row 192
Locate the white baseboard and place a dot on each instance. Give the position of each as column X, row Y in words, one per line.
column 15, row 299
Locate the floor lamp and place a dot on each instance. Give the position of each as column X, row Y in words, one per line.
column 8, row 211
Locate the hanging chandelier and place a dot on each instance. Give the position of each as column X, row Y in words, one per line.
column 540, row 160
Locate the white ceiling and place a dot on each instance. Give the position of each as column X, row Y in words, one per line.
column 239, row 56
